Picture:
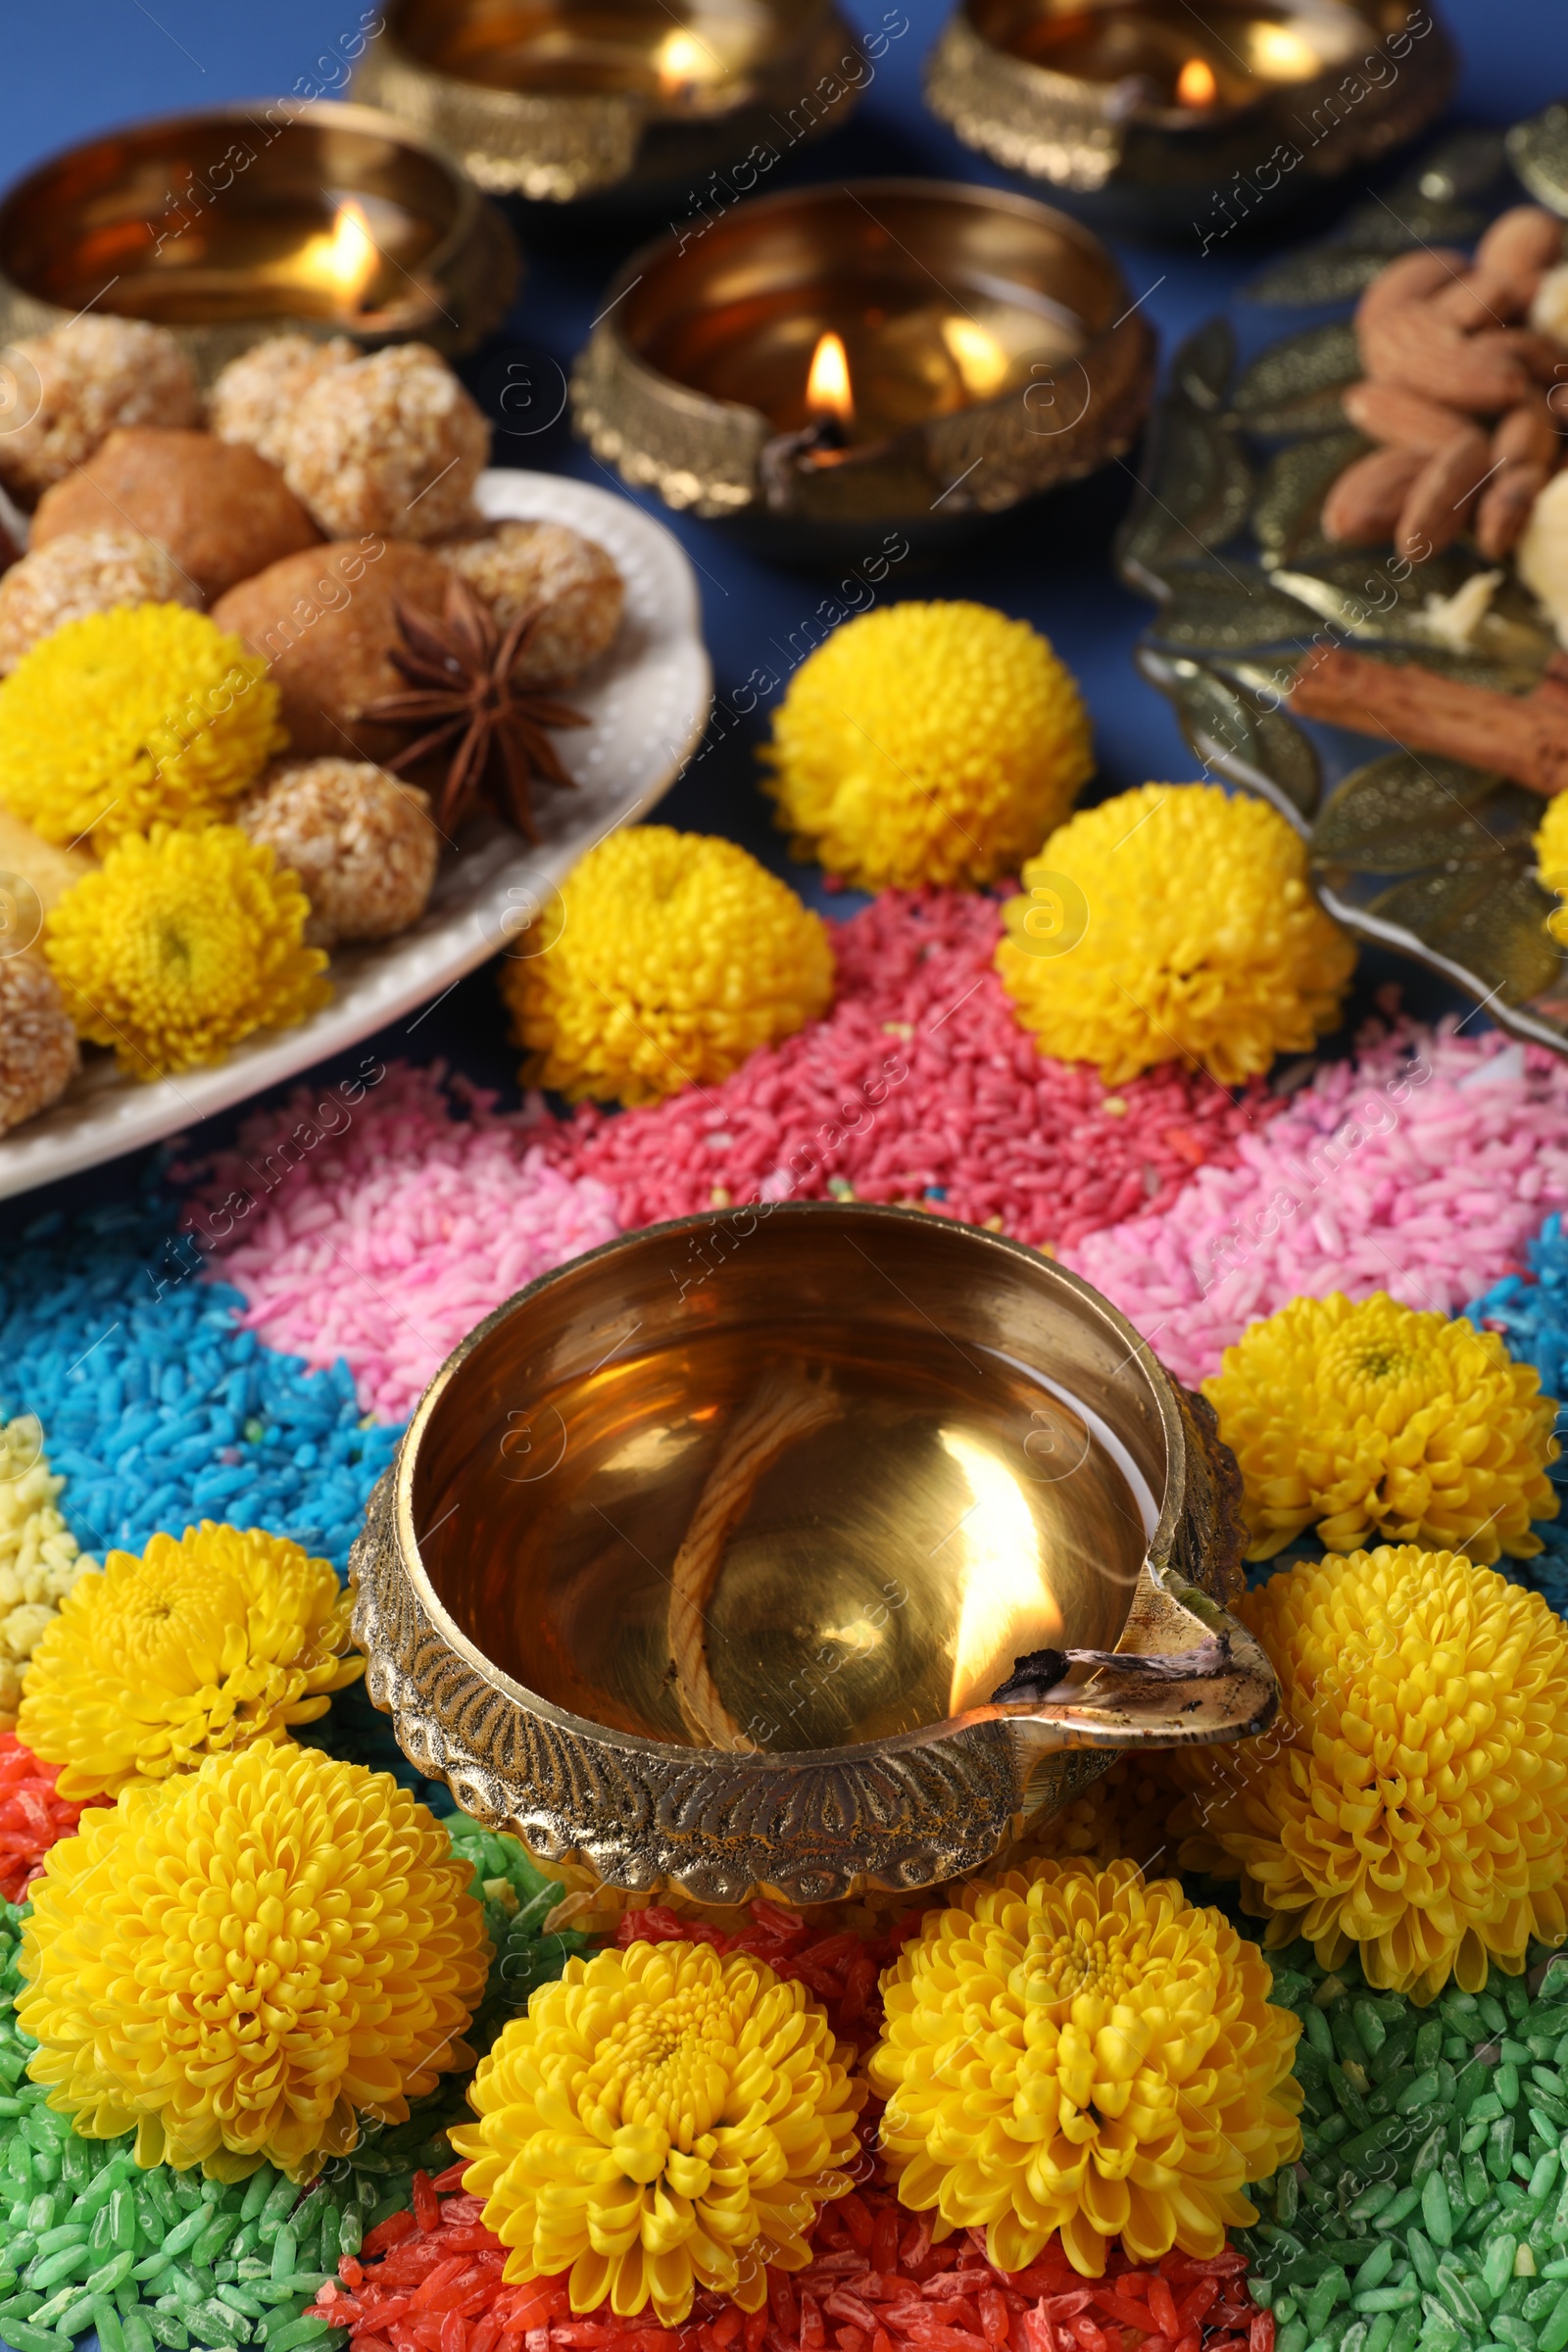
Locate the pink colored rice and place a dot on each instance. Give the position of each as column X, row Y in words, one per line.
column 1376, row 1177
column 385, row 1240
column 918, row 1086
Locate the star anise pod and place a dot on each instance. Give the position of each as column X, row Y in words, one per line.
column 463, row 670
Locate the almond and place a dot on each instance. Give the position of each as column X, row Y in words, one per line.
column 1506, row 506
column 1438, row 504
column 1363, row 506
column 1405, row 419
column 1412, row 345
column 1527, row 433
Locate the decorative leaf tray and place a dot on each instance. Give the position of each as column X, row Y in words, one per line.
column 1417, row 851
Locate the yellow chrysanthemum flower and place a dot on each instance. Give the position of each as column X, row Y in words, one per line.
column 1173, row 924
column 1078, row 2050
column 662, row 2119
column 38, row 1559
column 1551, row 860
column 1413, row 1796
column 1376, row 1419
column 674, row 955
column 1122, row 1816
column 180, row 945
column 113, row 722
column 927, row 742
column 240, row 1962
column 224, row 1636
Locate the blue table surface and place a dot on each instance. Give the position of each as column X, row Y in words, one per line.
column 78, row 65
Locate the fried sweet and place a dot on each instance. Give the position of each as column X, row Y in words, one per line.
column 220, row 511
column 326, row 620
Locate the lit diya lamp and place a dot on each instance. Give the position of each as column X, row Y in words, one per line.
column 229, row 225
column 559, row 100
column 1154, row 108
column 897, row 351
column 833, row 1576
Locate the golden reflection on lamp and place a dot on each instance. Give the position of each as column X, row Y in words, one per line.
column 885, row 366
column 341, row 262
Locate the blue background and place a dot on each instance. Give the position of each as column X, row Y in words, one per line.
column 70, row 68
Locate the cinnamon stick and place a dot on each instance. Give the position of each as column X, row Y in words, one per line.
column 1522, row 736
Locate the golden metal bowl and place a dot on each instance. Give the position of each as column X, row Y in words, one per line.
column 1175, row 119
column 702, row 1558
column 695, row 379
column 220, row 226
column 559, row 100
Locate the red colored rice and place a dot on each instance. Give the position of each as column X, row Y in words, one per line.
column 430, row 2280
column 32, row 1816
column 918, row 1086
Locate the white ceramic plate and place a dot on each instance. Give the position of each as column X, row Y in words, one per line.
column 648, row 700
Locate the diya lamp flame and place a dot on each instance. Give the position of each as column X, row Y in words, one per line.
column 824, row 439
column 1196, row 85
column 829, row 393
column 995, row 1559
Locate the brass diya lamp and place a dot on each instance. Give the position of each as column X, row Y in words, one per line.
column 803, row 1551
column 1174, row 116
column 252, row 221
column 900, row 352
column 559, row 100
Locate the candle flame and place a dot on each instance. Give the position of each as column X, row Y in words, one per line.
column 344, row 259
column 828, row 391
column 1196, row 85
column 681, row 59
